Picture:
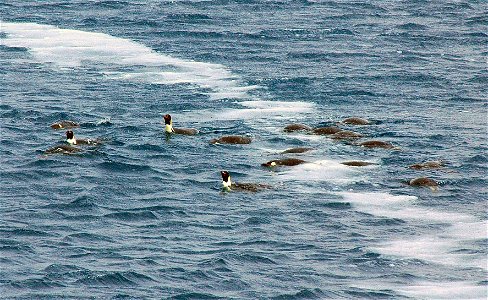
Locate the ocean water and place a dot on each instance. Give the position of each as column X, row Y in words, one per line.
column 142, row 216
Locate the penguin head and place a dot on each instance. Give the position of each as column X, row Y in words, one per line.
column 70, row 137
column 167, row 119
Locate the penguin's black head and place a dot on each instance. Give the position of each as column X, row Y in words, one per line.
column 167, row 119
column 69, row 134
column 225, row 175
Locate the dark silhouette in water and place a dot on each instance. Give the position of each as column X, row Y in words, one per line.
column 168, row 121
column 284, row 162
column 231, row 139
column 63, row 149
column 228, row 185
column 297, row 150
column 357, row 163
column 426, row 182
column 346, row 135
column 297, row 127
column 427, row 165
column 65, row 124
column 376, row 144
column 326, row 130
column 356, row 121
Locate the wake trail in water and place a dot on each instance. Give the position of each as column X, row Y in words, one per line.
column 445, row 247
column 69, row 48
column 123, row 59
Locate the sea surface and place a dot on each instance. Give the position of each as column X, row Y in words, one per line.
column 142, row 216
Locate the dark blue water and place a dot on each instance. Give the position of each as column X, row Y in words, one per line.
column 142, row 215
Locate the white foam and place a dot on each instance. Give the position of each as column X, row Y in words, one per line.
column 442, row 247
column 68, row 48
column 473, row 230
column 322, row 170
column 266, row 109
column 446, row 290
column 271, row 150
column 439, row 247
column 376, row 199
column 380, row 204
column 426, row 248
column 430, row 289
column 400, row 207
column 105, row 120
column 281, row 105
column 259, row 111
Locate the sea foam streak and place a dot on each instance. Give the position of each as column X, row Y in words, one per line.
column 442, row 246
column 265, row 109
column 68, row 48
column 438, row 247
column 324, row 170
column 400, row 207
column 445, row 290
column 258, row 111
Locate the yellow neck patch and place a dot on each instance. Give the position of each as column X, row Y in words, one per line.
column 227, row 184
column 168, row 128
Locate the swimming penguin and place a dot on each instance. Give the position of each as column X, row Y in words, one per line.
column 297, row 150
column 356, row 121
column 427, row 165
column 70, row 139
column 231, row 139
column 228, row 185
column 346, row 135
column 356, row 163
column 326, row 130
column 424, row 181
column 376, row 144
column 297, row 127
column 62, row 149
column 283, row 162
column 64, row 125
column 168, row 128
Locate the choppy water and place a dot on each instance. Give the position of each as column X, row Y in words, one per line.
column 142, row 216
